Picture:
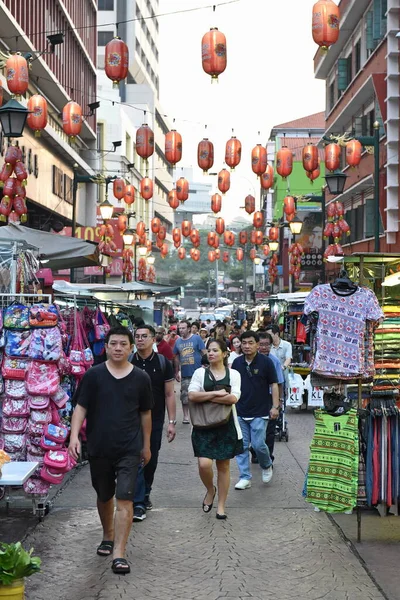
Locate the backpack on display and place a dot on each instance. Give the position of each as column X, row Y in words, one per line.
column 15, row 388
column 56, row 459
column 37, row 486
column 42, row 379
column 42, row 417
column 34, row 448
column 14, row 442
column 51, row 475
column 43, row 315
column 16, row 316
column 101, row 326
column 60, row 398
column 14, row 424
column 56, row 434
column 46, row 345
column 38, row 402
column 35, row 431
column 18, row 343
column 15, row 408
column 47, row 444
column 39, row 458
column 14, row 368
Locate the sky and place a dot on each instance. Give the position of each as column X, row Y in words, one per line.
column 269, row 79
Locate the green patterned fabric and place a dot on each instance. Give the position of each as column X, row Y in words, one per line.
column 332, row 479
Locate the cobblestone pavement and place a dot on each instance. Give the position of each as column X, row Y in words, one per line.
column 273, row 545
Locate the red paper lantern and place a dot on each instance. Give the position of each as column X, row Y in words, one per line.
column 159, row 243
column 173, row 146
column 155, row 225
column 256, row 237
column 253, row 253
column 211, row 237
column 225, row 256
column 20, row 171
column 146, row 188
column 353, row 153
column 273, row 234
column 181, row 253
column 332, row 157
column 290, row 217
column 258, row 219
column 116, row 60
column 141, row 228
column 195, row 236
column 37, row 116
column 313, row 175
column 239, row 253
column 205, row 155
column 220, row 225
column 72, row 119
column 344, row 226
column 173, row 199
column 195, row 254
column 164, row 250
column 339, row 209
column 229, row 238
column 250, row 204
column 224, row 181
column 216, row 203
column 186, row 228
column 122, row 223
column 328, row 231
column 217, row 253
column 5, row 208
column 9, row 186
column 289, row 205
column 325, row 23
column 267, row 178
column 149, row 245
column 259, row 159
column 162, row 232
column 129, row 196
column 17, row 74
column 233, row 152
column 145, row 141
column 284, row 162
column 216, row 241
column 119, row 188
column 213, row 53
column 211, row 254
column 13, row 155
column 310, row 157
column 177, row 235
column 182, row 189
column 266, row 250
column 243, row 237
column 20, row 208
column 6, row 172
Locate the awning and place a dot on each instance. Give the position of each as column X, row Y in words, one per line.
column 60, row 252
column 157, row 289
column 114, row 291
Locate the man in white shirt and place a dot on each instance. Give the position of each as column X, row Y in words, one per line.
column 282, row 350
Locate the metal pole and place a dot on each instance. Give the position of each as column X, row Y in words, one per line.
column 209, row 290
column 134, row 258
column 216, row 284
column 245, row 275
column 323, row 198
column 376, row 186
column 74, row 201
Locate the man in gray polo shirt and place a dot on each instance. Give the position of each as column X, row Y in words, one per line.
column 283, row 351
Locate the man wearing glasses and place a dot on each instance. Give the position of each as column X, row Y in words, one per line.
column 161, row 375
column 259, row 402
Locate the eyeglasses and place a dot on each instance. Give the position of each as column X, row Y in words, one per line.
column 142, row 337
column 249, row 371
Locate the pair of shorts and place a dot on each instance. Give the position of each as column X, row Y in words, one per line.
column 185, row 389
column 114, row 477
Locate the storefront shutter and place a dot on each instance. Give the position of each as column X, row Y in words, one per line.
column 369, row 31
column 342, row 74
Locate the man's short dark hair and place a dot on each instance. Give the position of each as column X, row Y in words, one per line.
column 137, row 321
column 208, row 320
column 188, row 323
column 263, row 335
column 220, row 324
column 119, row 330
column 197, row 324
column 149, row 328
column 250, row 334
column 274, row 329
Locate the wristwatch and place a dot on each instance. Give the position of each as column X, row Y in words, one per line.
column 276, row 407
column 172, row 422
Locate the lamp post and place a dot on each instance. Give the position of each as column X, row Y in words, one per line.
column 13, row 117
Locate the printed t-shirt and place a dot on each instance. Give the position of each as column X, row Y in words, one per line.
column 189, row 351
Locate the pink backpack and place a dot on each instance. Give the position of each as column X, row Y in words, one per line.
column 37, row 486
column 35, row 430
column 14, row 368
column 38, row 402
column 46, row 345
column 15, row 408
column 60, row 398
column 14, row 424
column 47, row 444
column 41, row 417
column 15, row 389
column 14, row 442
column 57, row 459
column 42, row 379
column 34, row 449
column 56, row 434
column 51, row 475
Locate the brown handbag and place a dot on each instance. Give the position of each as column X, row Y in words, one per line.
column 208, row 415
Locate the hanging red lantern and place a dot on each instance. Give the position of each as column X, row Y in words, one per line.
column 243, row 237
column 220, row 225
column 325, row 23
column 6, row 172
column 186, row 228
column 289, row 205
column 195, row 236
column 211, row 236
column 239, row 253
column 258, row 219
column 129, row 196
column 20, row 208
column 141, row 228
column 266, row 250
column 37, row 116
column 197, row 243
column 353, row 153
column 233, row 152
column 176, row 235
column 173, row 199
column 229, row 238
column 332, row 157
column 216, row 203
column 164, row 250
column 162, row 232
column 225, row 256
column 119, row 188
column 149, row 245
column 122, row 223
column 211, row 254
column 310, row 157
column 290, row 218
column 72, row 119
column 20, row 189
column 267, row 178
column 256, row 237
column 259, row 159
column 17, row 74
column 13, row 155
column 173, row 146
column 155, row 225
column 144, row 141
column 216, row 241
column 182, row 189
column 337, row 232
column 116, row 60
column 181, row 253
column 331, row 211
column 21, row 172
column 339, row 209
column 328, row 231
column 5, row 208
column 253, row 253
column 224, row 181
column 344, row 227
column 205, row 155
column 146, row 188
column 213, row 53
column 313, row 175
column 273, row 234
column 250, row 204
column 9, row 186
column 217, row 253
column 159, row 243
column 284, row 162
column 195, row 254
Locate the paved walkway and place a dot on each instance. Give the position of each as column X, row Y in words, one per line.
column 273, row 545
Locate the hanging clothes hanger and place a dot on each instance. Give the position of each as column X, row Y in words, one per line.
column 343, row 285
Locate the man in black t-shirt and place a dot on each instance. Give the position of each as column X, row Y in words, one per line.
column 116, row 400
column 161, row 375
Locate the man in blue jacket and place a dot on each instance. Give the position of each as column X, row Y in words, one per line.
column 259, row 401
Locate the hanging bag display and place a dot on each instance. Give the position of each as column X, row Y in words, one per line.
column 42, row 379
column 16, row 316
column 14, row 368
column 15, row 388
column 14, row 424
column 76, row 355
column 88, row 357
column 101, row 326
column 15, row 408
column 46, row 345
column 43, row 315
column 18, row 343
column 38, row 402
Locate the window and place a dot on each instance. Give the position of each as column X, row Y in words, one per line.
column 342, row 81
column 128, row 147
column 349, row 69
column 137, row 46
column 103, row 37
column 58, row 182
column 370, row 218
column 106, row 5
column 331, row 95
column 357, row 56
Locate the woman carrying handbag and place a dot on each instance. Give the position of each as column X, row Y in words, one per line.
column 216, row 435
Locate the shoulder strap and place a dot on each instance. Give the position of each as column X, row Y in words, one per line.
column 163, row 363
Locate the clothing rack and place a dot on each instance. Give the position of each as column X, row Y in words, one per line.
column 15, row 296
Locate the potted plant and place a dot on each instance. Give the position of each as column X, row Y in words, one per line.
column 15, row 564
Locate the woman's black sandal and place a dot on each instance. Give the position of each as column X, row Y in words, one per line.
column 120, row 566
column 208, row 507
column 221, row 517
column 105, row 548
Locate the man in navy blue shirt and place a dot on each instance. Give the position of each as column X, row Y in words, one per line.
column 259, row 401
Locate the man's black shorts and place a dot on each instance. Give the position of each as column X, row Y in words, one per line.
column 114, row 477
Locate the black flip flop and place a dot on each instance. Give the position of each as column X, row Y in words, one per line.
column 120, row 566
column 105, row 548
column 208, row 507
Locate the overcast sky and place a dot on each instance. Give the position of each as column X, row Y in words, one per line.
column 269, row 78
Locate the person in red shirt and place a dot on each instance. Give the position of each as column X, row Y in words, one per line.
column 163, row 347
column 172, row 336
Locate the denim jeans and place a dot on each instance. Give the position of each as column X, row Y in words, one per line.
column 145, row 476
column 253, row 433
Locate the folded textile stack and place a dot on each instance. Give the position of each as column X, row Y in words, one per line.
column 386, row 386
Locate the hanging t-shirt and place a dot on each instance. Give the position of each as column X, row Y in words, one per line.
column 315, row 393
column 190, row 352
column 295, row 390
column 341, row 329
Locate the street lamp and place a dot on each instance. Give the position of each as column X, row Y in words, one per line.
column 273, row 246
column 257, row 260
column 106, row 210
column 13, row 118
column 142, row 250
column 151, row 259
column 295, row 226
column 128, row 236
column 336, row 182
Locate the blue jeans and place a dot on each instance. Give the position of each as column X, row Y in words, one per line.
column 145, row 476
column 253, row 433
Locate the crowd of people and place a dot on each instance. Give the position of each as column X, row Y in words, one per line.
column 232, row 387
